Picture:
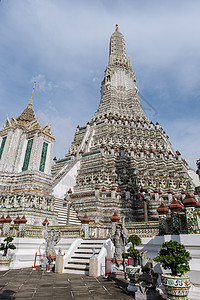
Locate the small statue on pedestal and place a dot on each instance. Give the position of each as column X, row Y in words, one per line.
column 119, row 240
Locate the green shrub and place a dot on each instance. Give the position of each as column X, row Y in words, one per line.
column 7, row 245
column 135, row 240
column 173, row 256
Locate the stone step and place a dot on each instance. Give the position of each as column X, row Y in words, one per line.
column 74, row 218
column 82, row 256
column 62, row 222
column 90, row 241
column 77, row 267
column 84, row 259
column 73, row 215
column 90, row 247
column 72, row 271
column 62, row 213
column 79, row 262
column 85, row 252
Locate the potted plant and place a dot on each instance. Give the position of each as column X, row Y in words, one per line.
column 133, row 253
column 5, row 258
column 135, row 240
column 174, row 257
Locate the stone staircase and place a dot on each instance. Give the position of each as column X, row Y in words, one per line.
column 59, row 171
column 79, row 261
column 57, row 167
column 64, row 211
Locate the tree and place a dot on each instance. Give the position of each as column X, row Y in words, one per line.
column 174, row 256
column 135, row 240
column 7, row 245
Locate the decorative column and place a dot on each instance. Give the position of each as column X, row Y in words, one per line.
column 16, row 226
column 22, row 226
column 45, row 233
column 68, row 203
column 162, row 211
column 190, row 203
column 175, row 208
column 6, row 225
column 2, row 220
column 45, row 222
column 114, row 219
column 85, row 226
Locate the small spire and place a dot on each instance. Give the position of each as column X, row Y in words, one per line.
column 116, row 28
column 30, row 105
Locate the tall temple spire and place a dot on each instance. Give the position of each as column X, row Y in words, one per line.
column 117, row 51
column 119, row 93
column 30, row 105
column 28, row 114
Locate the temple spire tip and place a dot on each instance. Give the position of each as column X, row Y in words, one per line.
column 30, row 105
column 116, row 28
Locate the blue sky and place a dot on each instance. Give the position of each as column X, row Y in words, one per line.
column 64, row 46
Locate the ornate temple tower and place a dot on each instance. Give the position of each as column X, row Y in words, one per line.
column 120, row 160
column 25, row 167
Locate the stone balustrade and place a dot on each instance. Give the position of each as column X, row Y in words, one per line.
column 143, row 229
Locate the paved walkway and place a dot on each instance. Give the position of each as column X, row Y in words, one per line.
column 30, row 284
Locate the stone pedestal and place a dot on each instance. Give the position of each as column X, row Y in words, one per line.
column 59, row 264
column 93, row 269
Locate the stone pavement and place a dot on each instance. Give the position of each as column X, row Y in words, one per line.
column 38, row 284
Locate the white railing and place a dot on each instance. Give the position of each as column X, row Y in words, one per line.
column 71, row 251
column 107, row 250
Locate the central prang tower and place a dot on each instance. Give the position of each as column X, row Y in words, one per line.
column 119, row 94
column 120, row 154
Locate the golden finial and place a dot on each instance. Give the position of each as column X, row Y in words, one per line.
column 30, row 105
column 116, row 28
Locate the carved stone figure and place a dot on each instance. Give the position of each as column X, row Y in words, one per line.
column 15, row 202
column 52, row 241
column 118, row 241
